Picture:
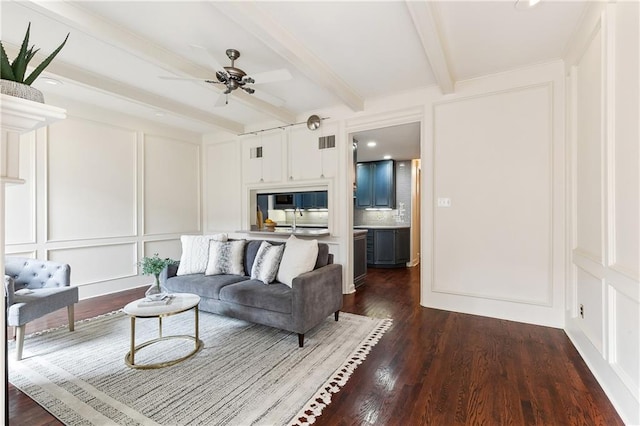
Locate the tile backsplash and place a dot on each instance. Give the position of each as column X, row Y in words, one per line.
column 401, row 215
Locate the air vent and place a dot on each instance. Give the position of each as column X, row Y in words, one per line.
column 326, row 142
column 256, row 152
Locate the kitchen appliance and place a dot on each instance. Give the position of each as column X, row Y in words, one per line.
column 284, row 201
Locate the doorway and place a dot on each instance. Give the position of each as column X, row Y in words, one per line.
column 386, row 206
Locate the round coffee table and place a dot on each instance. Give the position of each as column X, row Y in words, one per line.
column 141, row 308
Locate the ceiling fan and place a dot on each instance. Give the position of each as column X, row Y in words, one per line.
column 233, row 78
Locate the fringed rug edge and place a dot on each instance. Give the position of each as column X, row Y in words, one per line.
column 322, row 398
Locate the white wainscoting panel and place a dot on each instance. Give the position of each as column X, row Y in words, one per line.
column 97, row 263
column 20, row 214
column 222, row 174
column 30, row 254
column 624, row 162
column 165, row 248
column 589, row 197
column 493, row 161
column 171, row 186
column 91, row 181
column 590, row 294
column 604, row 64
column 625, row 327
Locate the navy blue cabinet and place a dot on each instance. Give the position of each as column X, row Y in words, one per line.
column 376, row 184
column 311, row 200
column 388, row 247
column 364, row 185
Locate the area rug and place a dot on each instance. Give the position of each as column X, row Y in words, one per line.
column 246, row 374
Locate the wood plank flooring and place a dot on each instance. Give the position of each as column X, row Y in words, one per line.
column 432, row 367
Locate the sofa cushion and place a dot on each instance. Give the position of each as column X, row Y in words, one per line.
column 251, row 249
column 323, row 256
column 203, row 285
column 226, row 258
column 299, row 256
column 195, row 252
column 265, row 266
column 253, row 293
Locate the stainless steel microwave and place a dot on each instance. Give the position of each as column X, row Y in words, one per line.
column 284, row 201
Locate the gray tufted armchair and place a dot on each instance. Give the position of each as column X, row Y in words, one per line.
column 34, row 288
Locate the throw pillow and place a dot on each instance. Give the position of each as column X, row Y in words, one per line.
column 265, row 266
column 195, row 253
column 225, row 257
column 299, row 257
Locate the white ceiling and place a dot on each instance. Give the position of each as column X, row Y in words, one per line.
column 340, row 54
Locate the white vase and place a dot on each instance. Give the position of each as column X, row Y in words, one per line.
column 20, row 90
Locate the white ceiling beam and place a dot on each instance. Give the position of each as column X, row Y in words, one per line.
column 425, row 20
column 259, row 23
column 130, row 93
column 133, row 43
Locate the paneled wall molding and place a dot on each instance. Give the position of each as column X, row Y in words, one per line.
column 545, row 293
column 603, row 62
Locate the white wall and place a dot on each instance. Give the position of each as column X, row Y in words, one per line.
column 102, row 190
column 603, row 277
column 496, row 149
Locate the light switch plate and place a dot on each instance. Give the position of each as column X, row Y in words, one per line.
column 444, row 202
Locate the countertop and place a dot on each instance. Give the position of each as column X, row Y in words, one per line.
column 381, row 226
column 357, row 232
column 300, row 232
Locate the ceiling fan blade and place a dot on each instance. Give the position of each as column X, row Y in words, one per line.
column 267, row 97
column 182, row 78
column 272, row 76
column 207, row 56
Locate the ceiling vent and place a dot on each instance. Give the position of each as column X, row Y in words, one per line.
column 325, row 142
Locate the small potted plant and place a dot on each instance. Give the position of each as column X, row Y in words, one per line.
column 154, row 266
column 12, row 74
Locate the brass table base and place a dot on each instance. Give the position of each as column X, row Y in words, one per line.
column 127, row 358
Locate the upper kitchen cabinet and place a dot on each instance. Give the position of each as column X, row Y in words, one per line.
column 262, row 157
column 313, row 154
column 375, row 182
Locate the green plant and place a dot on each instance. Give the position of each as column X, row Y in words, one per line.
column 15, row 71
column 154, row 265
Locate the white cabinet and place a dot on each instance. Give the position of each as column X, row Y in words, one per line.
column 262, row 157
column 307, row 160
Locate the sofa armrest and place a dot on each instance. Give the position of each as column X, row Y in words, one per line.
column 168, row 272
column 316, row 295
column 9, row 290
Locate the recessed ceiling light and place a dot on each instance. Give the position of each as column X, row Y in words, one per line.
column 525, row 4
column 371, row 144
column 386, row 157
column 51, row 81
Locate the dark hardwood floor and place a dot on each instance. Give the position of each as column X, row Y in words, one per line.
column 432, row 367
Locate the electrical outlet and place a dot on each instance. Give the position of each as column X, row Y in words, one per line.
column 581, row 310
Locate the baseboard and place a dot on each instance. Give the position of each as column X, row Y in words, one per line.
column 627, row 406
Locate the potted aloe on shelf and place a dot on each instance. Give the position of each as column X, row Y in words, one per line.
column 13, row 79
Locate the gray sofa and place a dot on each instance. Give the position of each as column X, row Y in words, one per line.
column 313, row 296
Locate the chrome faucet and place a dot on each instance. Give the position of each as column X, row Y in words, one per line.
column 294, row 227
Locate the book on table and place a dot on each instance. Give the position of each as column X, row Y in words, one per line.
column 164, row 301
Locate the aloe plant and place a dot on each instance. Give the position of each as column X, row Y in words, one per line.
column 16, row 71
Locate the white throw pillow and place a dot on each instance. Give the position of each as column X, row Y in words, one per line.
column 195, row 252
column 299, row 257
column 265, row 266
column 226, row 257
